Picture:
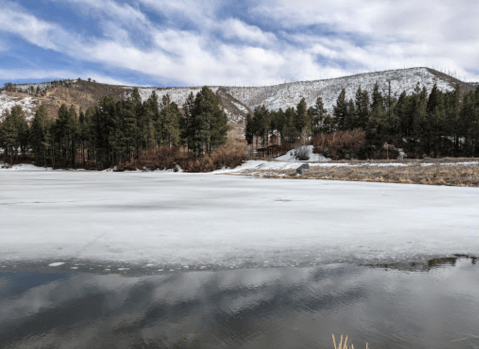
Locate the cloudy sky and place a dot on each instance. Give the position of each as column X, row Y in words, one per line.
column 213, row 42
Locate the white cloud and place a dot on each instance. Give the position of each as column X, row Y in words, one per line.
column 391, row 35
column 48, row 75
column 394, row 33
column 234, row 28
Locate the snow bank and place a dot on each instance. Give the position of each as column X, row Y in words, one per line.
column 22, row 167
column 307, row 149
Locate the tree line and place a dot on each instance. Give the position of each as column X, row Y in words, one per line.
column 435, row 124
column 113, row 131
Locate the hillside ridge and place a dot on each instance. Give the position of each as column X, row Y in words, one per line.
column 238, row 101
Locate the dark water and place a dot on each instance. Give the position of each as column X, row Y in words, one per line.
column 437, row 307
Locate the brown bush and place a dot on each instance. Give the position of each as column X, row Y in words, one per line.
column 232, row 154
column 341, row 144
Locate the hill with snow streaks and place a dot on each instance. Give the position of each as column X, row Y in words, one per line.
column 288, row 95
column 237, row 101
column 29, row 105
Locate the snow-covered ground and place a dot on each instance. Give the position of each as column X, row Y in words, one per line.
column 307, row 150
column 289, row 163
column 206, row 219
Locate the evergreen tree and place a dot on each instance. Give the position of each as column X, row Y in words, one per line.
column 40, row 135
column 291, row 133
column 452, row 105
column 154, row 109
column 350, row 120
column 169, row 121
column 279, row 122
column 420, row 122
column 401, row 111
column 187, row 122
column 261, row 121
column 376, row 127
column 249, row 130
column 436, row 120
column 317, row 115
column 10, row 137
column 362, row 105
column 341, row 110
column 209, row 122
column 301, row 120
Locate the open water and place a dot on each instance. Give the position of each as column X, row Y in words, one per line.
column 435, row 305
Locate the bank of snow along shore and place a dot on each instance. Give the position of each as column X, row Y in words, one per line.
column 463, row 172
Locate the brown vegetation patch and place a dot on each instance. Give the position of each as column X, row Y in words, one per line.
column 450, row 173
column 340, row 144
column 230, row 155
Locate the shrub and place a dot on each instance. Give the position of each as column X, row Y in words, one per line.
column 341, row 144
column 302, row 153
column 232, row 154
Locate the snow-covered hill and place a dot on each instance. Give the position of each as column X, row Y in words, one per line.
column 289, row 95
column 238, row 101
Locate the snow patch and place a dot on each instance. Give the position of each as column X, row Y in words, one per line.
column 292, row 155
column 56, row 264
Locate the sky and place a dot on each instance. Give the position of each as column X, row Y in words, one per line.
column 232, row 43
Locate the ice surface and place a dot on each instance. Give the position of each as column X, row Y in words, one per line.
column 206, row 219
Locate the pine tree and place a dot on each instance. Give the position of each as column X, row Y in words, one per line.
column 154, row 108
column 341, row 110
column 301, row 120
column 187, row 122
column 350, row 120
column 317, row 115
column 362, row 105
column 261, row 120
column 436, row 120
column 40, row 135
column 208, row 122
column 419, row 116
column 291, row 133
column 249, row 130
column 23, row 130
column 169, row 122
column 10, row 137
column 376, row 127
column 452, row 102
column 279, row 122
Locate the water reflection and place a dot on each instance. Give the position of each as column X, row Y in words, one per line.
column 258, row 308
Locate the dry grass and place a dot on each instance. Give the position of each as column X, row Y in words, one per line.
column 450, row 173
column 345, row 344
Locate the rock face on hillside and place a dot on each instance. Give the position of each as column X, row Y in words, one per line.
column 238, row 101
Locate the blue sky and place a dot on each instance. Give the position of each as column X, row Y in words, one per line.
column 236, row 43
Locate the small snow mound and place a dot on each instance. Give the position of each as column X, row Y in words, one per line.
column 402, row 154
column 56, row 264
column 306, row 150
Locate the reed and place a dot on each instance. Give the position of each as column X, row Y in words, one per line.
column 345, row 344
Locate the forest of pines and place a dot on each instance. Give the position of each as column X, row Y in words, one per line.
column 112, row 132
column 115, row 131
column 441, row 124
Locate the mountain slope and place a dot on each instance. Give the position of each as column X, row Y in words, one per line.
column 238, row 101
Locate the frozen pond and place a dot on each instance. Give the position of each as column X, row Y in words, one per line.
column 155, row 260
column 206, row 221
column 435, row 306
